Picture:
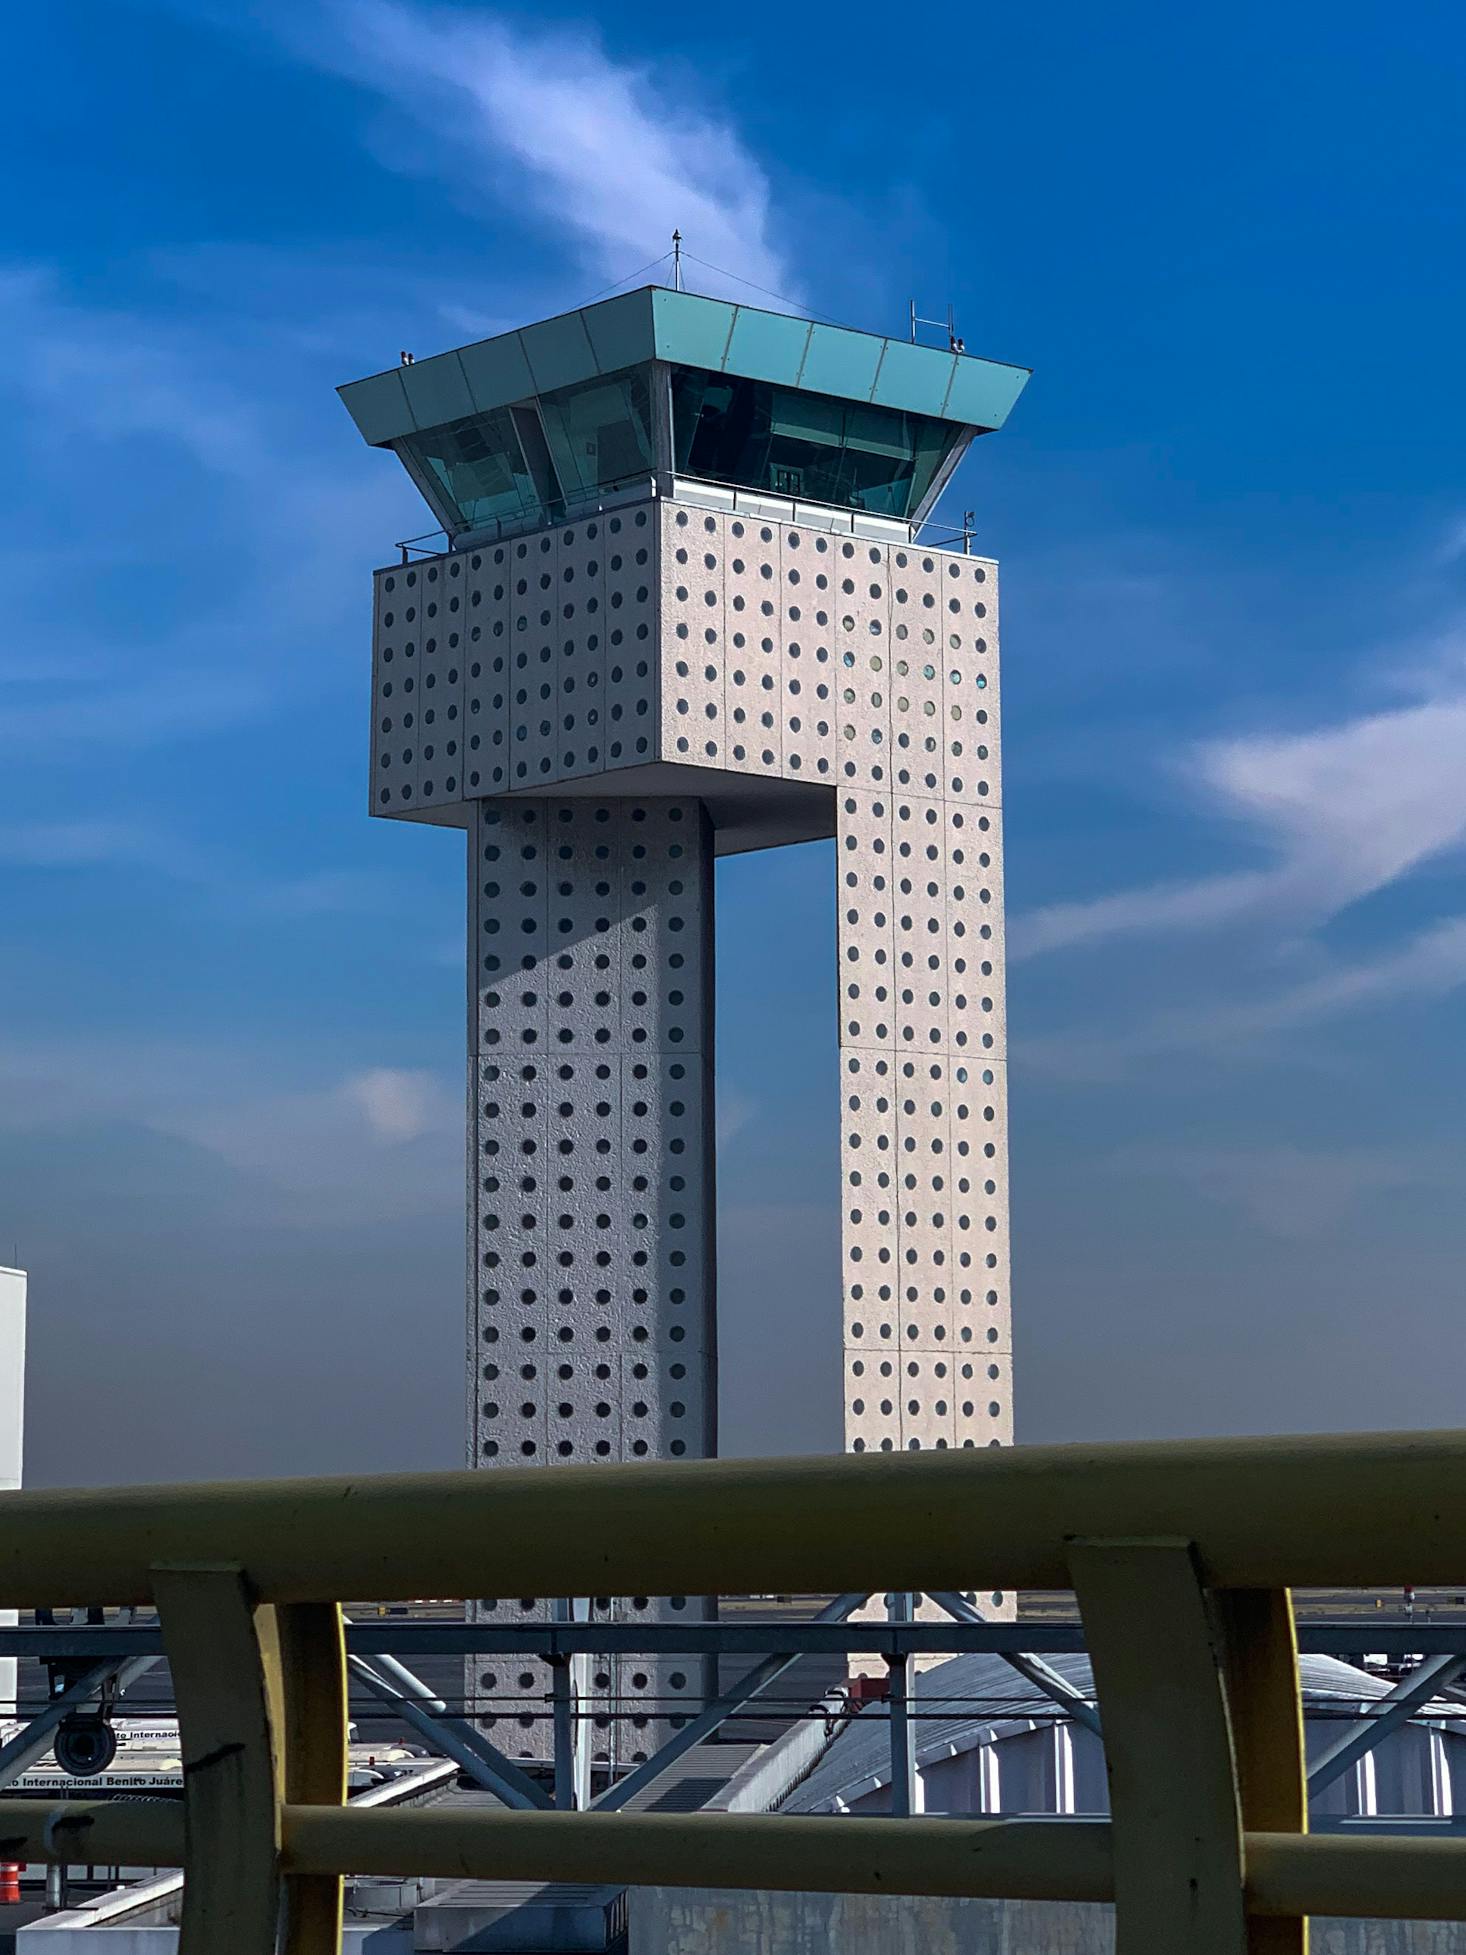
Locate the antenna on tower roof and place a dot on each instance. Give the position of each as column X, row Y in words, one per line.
column 676, row 261
column 955, row 344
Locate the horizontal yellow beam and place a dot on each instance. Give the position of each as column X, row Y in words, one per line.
column 1265, row 1513
column 93, row 1832
column 1376, row 1879
column 1287, row 1874
column 1013, row 1859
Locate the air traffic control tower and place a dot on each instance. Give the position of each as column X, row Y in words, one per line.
column 682, row 611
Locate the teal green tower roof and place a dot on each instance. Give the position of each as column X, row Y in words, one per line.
column 535, row 422
column 685, row 330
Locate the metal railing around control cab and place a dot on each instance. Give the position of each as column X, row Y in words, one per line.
column 1181, row 1556
column 728, row 498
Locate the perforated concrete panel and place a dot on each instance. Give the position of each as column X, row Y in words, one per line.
column 694, row 635
column 533, row 661
column 395, row 628
column 632, row 629
column 753, row 664
column 486, row 669
column 666, row 637
column 515, row 668
column 604, row 704
column 580, row 585
column 592, row 1219
column 920, row 948
column 663, row 635
column 441, row 681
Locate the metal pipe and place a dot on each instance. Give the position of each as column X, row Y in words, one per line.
column 1031, row 1668
column 35, row 1738
column 427, row 1714
column 94, row 1832
column 733, row 1699
column 431, row 1775
column 563, row 1702
column 1317, row 1635
column 1018, row 1859
column 1293, row 1874
column 1379, row 1878
column 1265, row 1513
column 898, row 1705
column 1391, row 1712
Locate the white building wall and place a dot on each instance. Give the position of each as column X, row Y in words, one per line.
column 12, row 1428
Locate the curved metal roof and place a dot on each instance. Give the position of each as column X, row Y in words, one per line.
column 976, row 1698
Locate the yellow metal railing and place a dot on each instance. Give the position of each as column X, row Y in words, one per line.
column 1181, row 1557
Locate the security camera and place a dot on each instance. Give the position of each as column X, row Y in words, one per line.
column 85, row 1744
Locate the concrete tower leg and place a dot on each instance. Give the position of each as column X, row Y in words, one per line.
column 591, row 1214
column 923, row 1122
column 923, row 1101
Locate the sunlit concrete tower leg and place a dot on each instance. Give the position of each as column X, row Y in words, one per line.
column 922, row 1047
column 682, row 607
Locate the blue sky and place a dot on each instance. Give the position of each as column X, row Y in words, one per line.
column 1232, row 520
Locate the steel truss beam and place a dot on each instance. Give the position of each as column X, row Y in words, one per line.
column 429, row 1715
column 1347, row 1637
column 36, row 1737
column 1031, row 1668
column 905, row 1784
column 1388, row 1715
column 692, row 1733
column 404, row 1637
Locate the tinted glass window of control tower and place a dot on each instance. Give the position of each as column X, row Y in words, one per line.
column 809, row 446
column 540, row 458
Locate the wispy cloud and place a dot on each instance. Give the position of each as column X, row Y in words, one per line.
column 94, row 843
column 1307, row 818
column 611, row 151
column 401, row 1104
column 1287, row 1191
column 376, row 1141
column 130, row 713
column 234, row 880
column 165, row 422
column 97, row 370
column 343, row 1146
column 1452, row 546
column 326, row 892
column 1429, row 965
column 1344, row 809
column 736, row 1111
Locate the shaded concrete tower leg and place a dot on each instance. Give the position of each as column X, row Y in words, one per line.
column 591, row 1217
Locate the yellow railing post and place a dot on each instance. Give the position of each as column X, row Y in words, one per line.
column 1176, row 1825
column 225, row 1682
column 1260, row 1657
column 311, row 1757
